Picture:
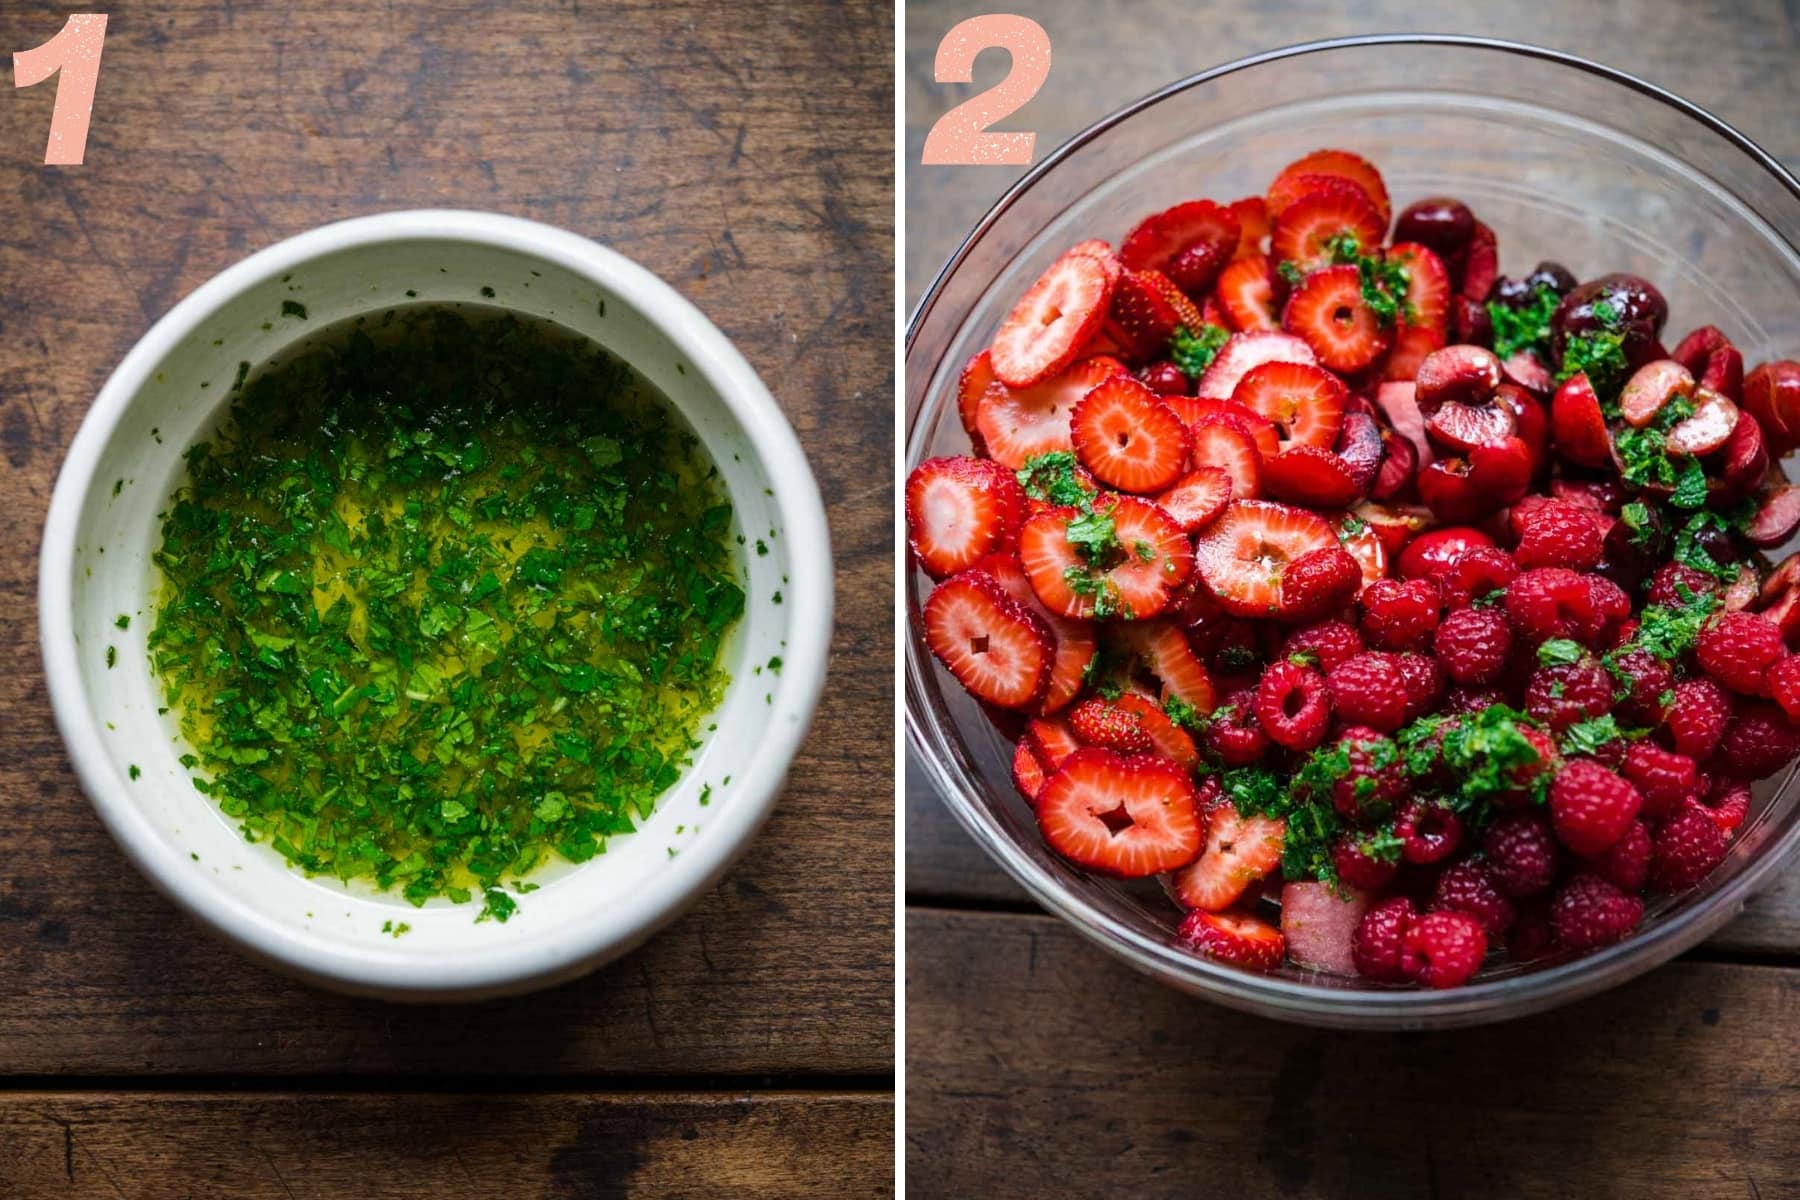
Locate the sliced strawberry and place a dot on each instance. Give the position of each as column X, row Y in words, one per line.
column 1129, row 438
column 1159, row 239
column 1481, row 264
column 1028, row 772
column 1246, row 291
column 1100, row 722
column 958, row 509
column 1133, row 573
column 1427, row 299
column 1311, row 476
column 1074, row 641
column 1412, row 343
column 993, row 645
column 1254, row 225
column 1223, row 443
column 1328, row 311
column 1305, row 403
column 1051, row 740
column 1243, row 351
column 1197, row 497
column 1243, row 553
column 1052, row 321
column 1577, row 425
column 1238, row 852
column 1020, row 423
column 1166, row 652
column 1185, row 309
column 1141, row 319
column 1291, row 183
column 1213, row 313
column 1236, row 938
column 1306, row 229
column 1167, row 738
column 1200, row 409
column 971, row 386
column 1129, row 817
column 1101, row 252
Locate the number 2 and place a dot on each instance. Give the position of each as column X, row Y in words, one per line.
column 961, row 137
column 75, row 52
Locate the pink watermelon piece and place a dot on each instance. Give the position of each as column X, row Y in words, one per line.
column 1318, row 924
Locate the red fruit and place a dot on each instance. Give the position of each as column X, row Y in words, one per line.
column 1469, row 487
column 1473, row 645
column 1360, row 445
column 1708, row 429
column 1244, row 351
column 994, row 646
column 1777, row 514
column 1328, row 312
column 1158, row 240
column 1429, row 831
column 1239, row 851
column 1459, row 374
column 1197, row 497
column 1651, row 388
column 1074, row 640
column 1312, row 477
column 1292, row 705
column 1427, row 301
column 1330, row 210
column 1525, row 369
column 1124, row 816
column 1051, row 740
column 1532, row 936
column 1135, row 580
column 1663, row 778
column 1373, row 781
column 1141, row 317
column 1243, row 556
column 1253, row 225
column 1318, row 583
column 1369, row 689
column 1590, row 807
column 1626, row 864
column 1729, row 808
column 1168, row 655
column 1577, row 426
column 1783, row 681
column 1413, row 344
column 1772, row 396
column 1759, row 742
column 1685, row 850
column 1246, row 291
column 1459, row 428
column 1444, row 949
column 1589, row 913
column 1738, row 648
column 1166, row 738
column 1670, row 578
column 1319, row 925
column 1399, row 615
column 1481, row 263
column 1222, row 444
column 958, row 509
column 1166, row 380
column 1698, row 717
column 1399, row 403
column 1028, row 771
column 1711, row 358
column 1128, row 438
column 1235, row 938
column 1234, row 735
column 1559, row 534
column 1566, row 694
column 1554, row 602
column 1379, row 947
column 1424, row 683
column 1099, row 722
column 1649, row 685
column 1522, row 855
column 1369, row 549
column 1295, row 180
column 1432, row 552
column 1359, row 866
column 1328, row 643
column 1197, row 268
column 1305, row 403
column 1052, row 321
column 1017, row 424
column 971, row 385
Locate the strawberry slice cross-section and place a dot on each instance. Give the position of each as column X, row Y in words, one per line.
column 994, row 646
column 1130, row 816
column 1124, row 558
column 1128, row 438
column 958, row 509
column 1019, row 423
column 1052, row 321
column 1241, row 557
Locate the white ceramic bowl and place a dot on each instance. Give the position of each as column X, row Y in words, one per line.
column 96, row 564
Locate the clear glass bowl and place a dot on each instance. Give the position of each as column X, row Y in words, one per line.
column 1566, row 160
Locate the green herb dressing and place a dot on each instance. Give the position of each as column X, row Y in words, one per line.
column 445, row 596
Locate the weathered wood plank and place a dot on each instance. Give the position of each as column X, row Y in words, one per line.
column 1039, row 1065
column 665, row 1145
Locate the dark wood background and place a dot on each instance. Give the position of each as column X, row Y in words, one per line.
column 1036, row 1065
column 741, row 150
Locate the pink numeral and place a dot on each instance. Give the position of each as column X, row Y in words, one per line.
column 961, row 137
column 75, row 52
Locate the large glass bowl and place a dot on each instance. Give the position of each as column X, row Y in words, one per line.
column 1566, row 160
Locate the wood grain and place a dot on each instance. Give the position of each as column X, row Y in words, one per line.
column 669, row 1146
column 761, row 188
column 1038, row 1066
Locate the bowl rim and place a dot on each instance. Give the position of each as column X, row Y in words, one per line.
column 578, row 941
column 1495, row 999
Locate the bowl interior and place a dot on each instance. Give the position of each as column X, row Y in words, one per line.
column 1564, row 163
column 184, row 392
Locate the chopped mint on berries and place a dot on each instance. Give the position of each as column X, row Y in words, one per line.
column 1591, row 736
column 1194, row 352
column 1525, row 328
column 1599, row 356
column 1052, row 479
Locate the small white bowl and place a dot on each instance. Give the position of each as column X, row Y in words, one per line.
column 104, row 525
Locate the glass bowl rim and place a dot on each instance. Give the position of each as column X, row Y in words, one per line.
column 1489, row 1000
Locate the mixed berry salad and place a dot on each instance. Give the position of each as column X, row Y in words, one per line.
column 1396, row 614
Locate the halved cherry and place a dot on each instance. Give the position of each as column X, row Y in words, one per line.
column 1708, row 429
column 1711, row 358
column 1311, row 476
column 1772, row 394
column 1481, row 264
column 1456, row 375
column 1650, row 388
column 1468, row 487
column 1744, row 458
column 1395, row 524
column 1532, row 425
column 1577, row 426
column 1528, row 371
column 1434, row 551
column 1777, row 516
column 1359, row 445
column 1466, row 426
column 1399, row 467
column 1304, row 403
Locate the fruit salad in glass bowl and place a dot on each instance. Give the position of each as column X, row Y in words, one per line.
column 1397, row 616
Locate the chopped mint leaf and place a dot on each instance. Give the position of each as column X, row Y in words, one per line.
column 1051, row 478
column 1094, row 536
column 1588, row 737
column 1559, row 652
column 1600, row 356
column 1527, row 327
column 1690, row 484
column 1193, row 352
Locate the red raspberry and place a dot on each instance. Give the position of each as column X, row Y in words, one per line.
column 1729, row 807
column 1685, row 850
column 1648, row 684
column 1627, row 862
column 1424, row 684
column 1783, row 682
column 1738, row 648
column 1590, row 912
column 1472, row 644
column 1430, row 831
column 1234, row 734
column 1399, row 615
column 1550, row 602
column 1319, row 582
column 1443, row 949
column 1610, row 614
column 1478, row 572
column 1165, row 379
column 1374, row 779
column 1590, row 807
column 1466, row 887
column 1369, row 689
column 1329, row 643
column 1524, row 775
column 1568, row 693
column 1759, row 742
column 1292, row 705
column 1558, row 534
column 1698, row 717
column 1461, row 699
column 1670, row 578
column 1532, row 937
column 1521, row 853
column 1378, row 947
column 1358, row 867
column 1663, row 778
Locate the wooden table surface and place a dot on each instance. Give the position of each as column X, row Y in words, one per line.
column 1038, row 1065
column 747, row 1051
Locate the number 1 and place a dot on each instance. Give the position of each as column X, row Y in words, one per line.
column 75, row 52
